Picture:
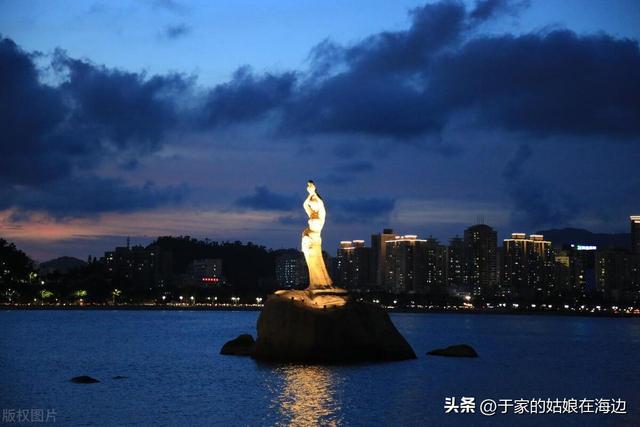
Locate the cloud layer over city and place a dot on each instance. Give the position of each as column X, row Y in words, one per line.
column 533, row 129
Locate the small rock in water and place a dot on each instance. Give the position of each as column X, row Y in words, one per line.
column 459, row 350
column 119, row 377
column 84, row 379
column 241, row 346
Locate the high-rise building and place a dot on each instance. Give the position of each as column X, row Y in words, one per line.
column 542, row 266
column 480, row 252
column 352, row 265
column 574, row 270
column 291, row 269
column 635, row 234
column 435, row 265
column 405, row 265
column 618, row 276
column 516, row 254
column 586, row 256
column 379, row 256
column 455, row 266
column 528, row 265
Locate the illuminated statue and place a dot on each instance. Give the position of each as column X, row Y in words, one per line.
column 312, row 242
column 321, row 324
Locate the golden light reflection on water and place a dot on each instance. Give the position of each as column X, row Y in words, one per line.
column 308, row 396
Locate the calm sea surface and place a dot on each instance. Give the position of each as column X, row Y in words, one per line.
column 175, row 375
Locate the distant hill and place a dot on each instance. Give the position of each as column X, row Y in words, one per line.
column 62, row 264
column 567, row 236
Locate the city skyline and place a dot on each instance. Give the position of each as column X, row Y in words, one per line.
column 420, row 116
column 473, row 272
column 586, row 243
column 143, row 241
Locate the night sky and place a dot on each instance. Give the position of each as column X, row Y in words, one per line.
column 152, row 118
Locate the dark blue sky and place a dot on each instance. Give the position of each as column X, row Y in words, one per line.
column 160, row 117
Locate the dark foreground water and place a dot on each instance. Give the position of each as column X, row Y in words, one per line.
column 175, row 375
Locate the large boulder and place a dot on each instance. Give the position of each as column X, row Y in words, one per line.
column 240, row 346
column 458, row 350
column 338, row 330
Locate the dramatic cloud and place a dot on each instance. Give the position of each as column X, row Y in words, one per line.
column 513, row 168
column 370, row 209
column 87, row 196
column 53, row 137
column 29, row 113
column 246, row 97
column 119, row 107
column 557, row 83
column 265, row 200
column 539, row 206
column 63, row 125
column 342, row 211
column 348, row 172
column 536, row 203
column 411, row 83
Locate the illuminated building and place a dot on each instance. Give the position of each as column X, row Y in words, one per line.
column 291, row 269
column 586, row 260
column 575, row 269
column 137, row 267
column 528, row 265
column 480, row 252
column 635, row 234
column 352, row 264
column 435, row 264
column 379, row 255
column 618, row 276
column 203, row 273
column 405, row 265
column 516, row 253
column 455, row 266
column 542, row 265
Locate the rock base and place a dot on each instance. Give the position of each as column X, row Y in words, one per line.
column 326, row 327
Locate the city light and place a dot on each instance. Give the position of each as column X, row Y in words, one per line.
column 529, row 273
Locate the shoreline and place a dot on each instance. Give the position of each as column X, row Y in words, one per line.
column 254, row 307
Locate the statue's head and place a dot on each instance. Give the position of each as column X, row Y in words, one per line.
column 311, row 187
